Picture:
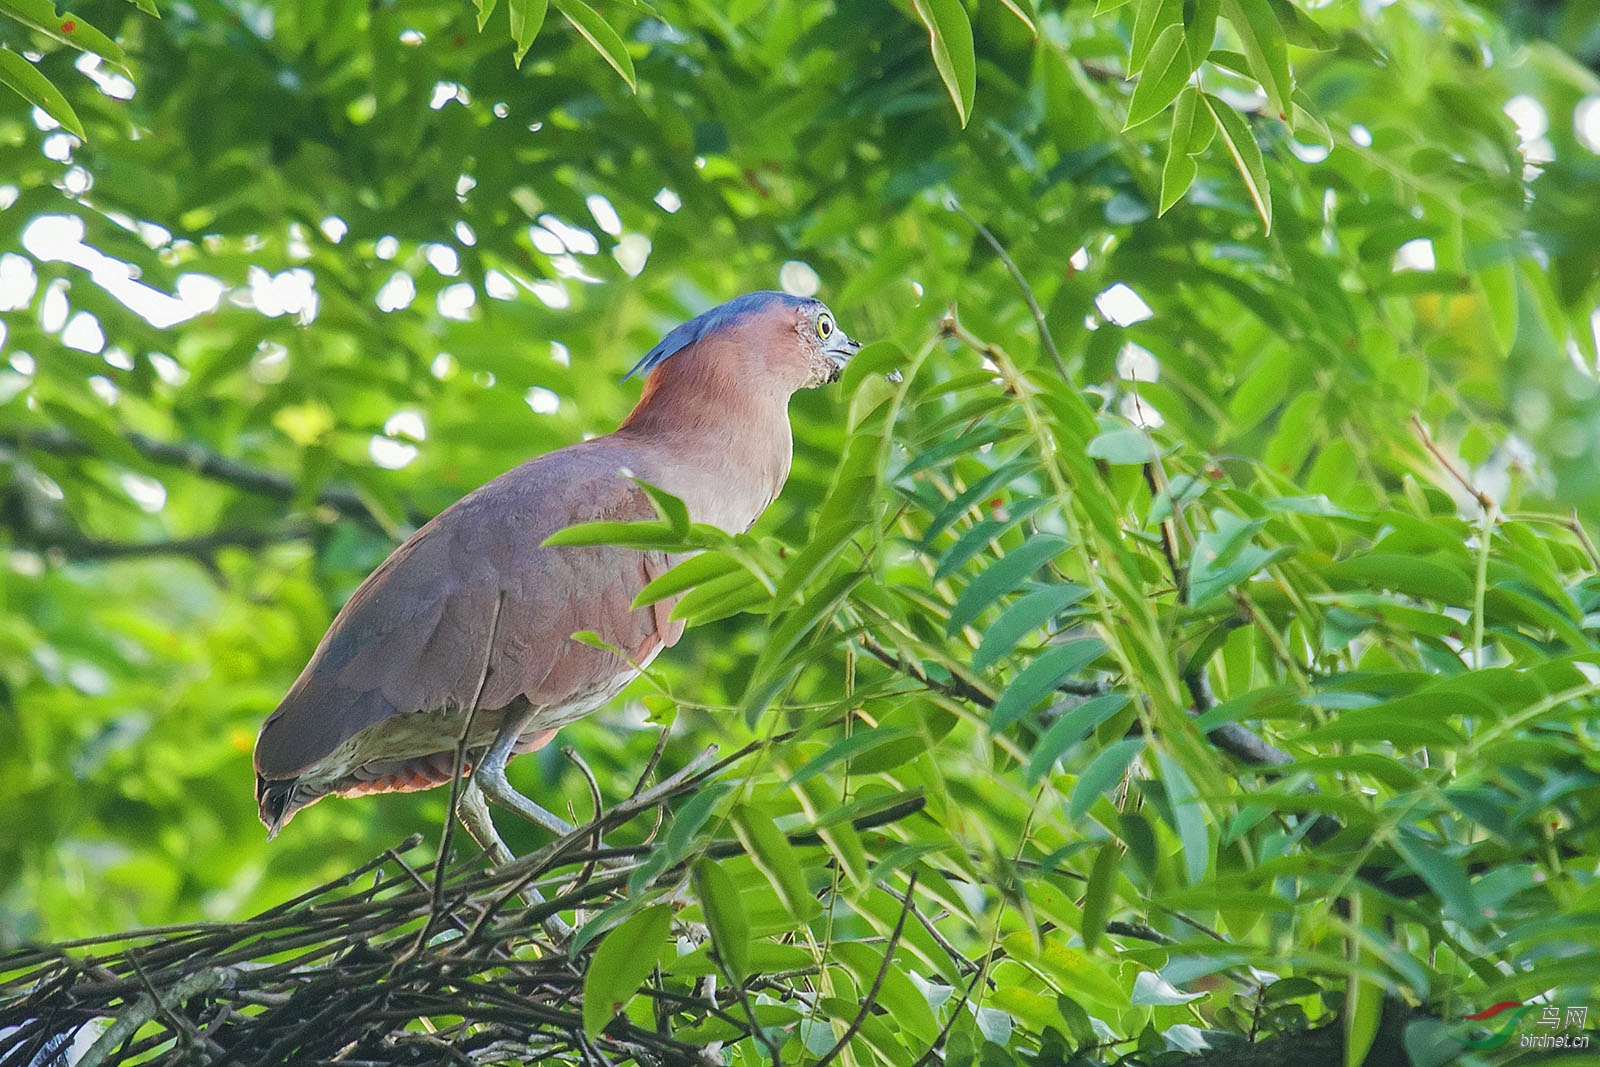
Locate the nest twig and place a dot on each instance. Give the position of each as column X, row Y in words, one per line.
column 340, row 974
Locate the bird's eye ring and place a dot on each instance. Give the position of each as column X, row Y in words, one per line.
column 824, row 326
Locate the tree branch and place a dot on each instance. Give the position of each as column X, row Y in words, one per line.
column 202, row 548
column 202, row 461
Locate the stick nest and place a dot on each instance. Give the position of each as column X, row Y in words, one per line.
column 392, row 963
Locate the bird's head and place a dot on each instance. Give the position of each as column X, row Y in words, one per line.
column 791, row 340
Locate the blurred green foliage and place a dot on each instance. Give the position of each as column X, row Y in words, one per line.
column 318, row 267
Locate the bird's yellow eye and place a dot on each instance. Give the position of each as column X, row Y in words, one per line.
column 824, row 326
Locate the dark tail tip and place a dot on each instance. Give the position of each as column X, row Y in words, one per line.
column 275, row 802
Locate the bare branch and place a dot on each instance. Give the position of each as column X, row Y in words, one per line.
column 202, row 461
column 1045, row 339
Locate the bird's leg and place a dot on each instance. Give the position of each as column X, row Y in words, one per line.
column 490, row 774
column 473, row 812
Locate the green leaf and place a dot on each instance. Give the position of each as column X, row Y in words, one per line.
column 1300, row 30
column 873, row 361
column 1150, row 21
column 687, row 820
column 1241, row 144
column 1073, row 972
column 1498, row 283
column 1363, row 1014
column 1002, row 576
column 1070, row 728
column 1023, row 9
column 1189, row 817
column 724, row 915
column 1414, row 575
column 1263, row 43
column 527, row 19
column 1211, row 574
column 774, row 665
column 1024, row 616
column 950, row 37
column 694, row 571
column 1165, row 74
column 718, row 598
column 1099, row 893
column 858, row 743
column 979, row 534
column 599, row 34
column 1200, row 28
column 775, row 858
column 832, row 823
column 820, row 552
column 1446, row 876
column 972, row 496
column 1193, row 130
column 648, row 533
column 147, row 6
column 1103, row 7
column 674, row 512
column 1103, row 772
column 1040, row 677
column 853, row 497
column 897, row 994
column 1386, row 723
column 621, row 964
column 485, row 9
column 42, row 16
column 1124, row 445
column 21, row 77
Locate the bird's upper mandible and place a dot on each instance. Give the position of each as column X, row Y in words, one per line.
column 475, row 607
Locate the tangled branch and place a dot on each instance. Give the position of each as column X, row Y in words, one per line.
column 341, row 974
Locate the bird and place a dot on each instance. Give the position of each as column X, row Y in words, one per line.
column 469, row 624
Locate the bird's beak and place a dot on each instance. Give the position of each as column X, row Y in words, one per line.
column 839, row 349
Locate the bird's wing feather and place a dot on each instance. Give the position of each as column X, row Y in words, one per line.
column 414, row 636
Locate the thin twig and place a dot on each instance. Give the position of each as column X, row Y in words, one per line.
column 1576, row 526
column 955, row 1013
column 1485, row 501
column 774, row 1051
column 149, row 1005
column 871, row 999
column 597, row 801
column 458, row 771
column 1045, row 339
column 956, row 955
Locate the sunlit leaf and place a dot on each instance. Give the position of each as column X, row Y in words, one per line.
column 69, row 28
column 1263, row 43
column 1105, row 771
column 950, row 36
column 623, row 961
column 23, row 79
column 1001, row 577
column 1048, row 670
column 1165, row 73
column 1241, row 145
column 596, row 31
column 724, row 915
column 527, row 18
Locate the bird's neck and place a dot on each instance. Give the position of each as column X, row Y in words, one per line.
column 724, row 451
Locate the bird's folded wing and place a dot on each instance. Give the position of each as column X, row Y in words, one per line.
column 475, row 599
